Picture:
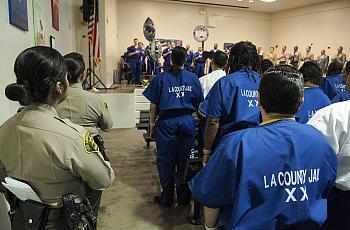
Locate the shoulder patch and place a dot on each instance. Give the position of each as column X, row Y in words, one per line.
column 105, row 105
column 89, row 144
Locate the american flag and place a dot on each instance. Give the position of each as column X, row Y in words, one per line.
column 93, row 34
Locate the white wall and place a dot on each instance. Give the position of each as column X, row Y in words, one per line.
column 177, row 21
column 325, row 25
column 14, row 40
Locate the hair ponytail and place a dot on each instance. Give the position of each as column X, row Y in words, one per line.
column 20, row 93
column 178, row 58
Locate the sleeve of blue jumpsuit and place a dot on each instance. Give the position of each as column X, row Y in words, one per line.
column 152, row 92
column 199, row 90
column 328, row 89
column 215, row 184
column 219, row 101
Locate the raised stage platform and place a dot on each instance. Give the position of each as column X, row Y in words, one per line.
column 125, row 103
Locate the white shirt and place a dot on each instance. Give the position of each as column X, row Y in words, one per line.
column 334, row 122
column 209, row 80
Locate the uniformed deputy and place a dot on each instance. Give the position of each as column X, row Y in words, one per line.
column 232, row 102
column 308, row 55
column 53, row 155
column 295, row 57
column 340, row 56
column 269, row 177
column 283, row 57
column 84, row 108
column 272, row 56
column 174, row 96
column 323, row 61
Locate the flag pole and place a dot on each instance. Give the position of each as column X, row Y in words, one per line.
column 92, row 79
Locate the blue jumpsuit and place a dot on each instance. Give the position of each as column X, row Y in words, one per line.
column 142, row 60
column 199, row 65
column 152, row 65
column 314, row 99
column 234, row 100
column 269, row 177
column 189, row 61
column 176, row 98
column 167, row 59
column 344, row 96
column 333, row 85
column 134, row 62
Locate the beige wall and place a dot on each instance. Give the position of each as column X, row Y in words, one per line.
column 111, row 39
column 177, row 21
column 324, row 25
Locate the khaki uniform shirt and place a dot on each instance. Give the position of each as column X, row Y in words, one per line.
column 54, row 156
column 323, row 61
column 282, row 58
column 341, row 57
column 308, row 57
column 87, row 109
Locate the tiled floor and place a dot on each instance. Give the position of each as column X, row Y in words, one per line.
column 128, row 203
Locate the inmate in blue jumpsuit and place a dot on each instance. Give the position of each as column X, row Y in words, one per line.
column 167, row 59
column 176, row 98
column 344, row 96
column 234, row 100
column 333, row 85
column 199, row 64
column 134, row 62
column 152, row 65
column 269, row 177
column 142, row 60
column 189, row 61
column 314, row 99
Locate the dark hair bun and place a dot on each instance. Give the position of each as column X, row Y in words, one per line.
column 18, row 92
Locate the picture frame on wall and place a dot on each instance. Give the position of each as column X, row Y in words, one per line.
column 18, row 14
column 38, row 24
column 52, row 42
column 55, row 14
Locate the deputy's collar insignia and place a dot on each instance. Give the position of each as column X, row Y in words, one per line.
column 105, row 105
column 89, row 144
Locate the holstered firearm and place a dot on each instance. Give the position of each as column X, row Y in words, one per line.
column 100, row 143
column 28, row 215
column 79, row 214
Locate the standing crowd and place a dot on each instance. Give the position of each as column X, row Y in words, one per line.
column 263, row 167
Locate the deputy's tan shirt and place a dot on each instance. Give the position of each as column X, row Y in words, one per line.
column 52, row 155
column 87, row 109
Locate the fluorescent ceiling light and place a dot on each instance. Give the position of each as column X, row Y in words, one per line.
column 251, row 0
column 267, row 0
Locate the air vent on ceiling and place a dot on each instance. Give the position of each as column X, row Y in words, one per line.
column 209, row 4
